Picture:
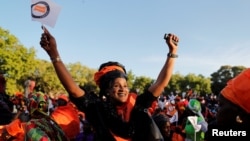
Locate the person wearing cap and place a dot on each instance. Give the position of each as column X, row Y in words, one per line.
column 233, row 113
column 195, row 124
column 115, row 112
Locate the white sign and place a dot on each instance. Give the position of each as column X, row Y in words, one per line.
column 45, row 11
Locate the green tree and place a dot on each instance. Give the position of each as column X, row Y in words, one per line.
column 46, row 78
column 176, row 84
column 141, row 83
column 180, row 83
column 198, row 83
column 131, row 79
column 16, row 61
column 83, row 76
column 220, row 78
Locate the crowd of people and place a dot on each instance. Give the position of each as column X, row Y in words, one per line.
column 117, row 114
column 41, row 116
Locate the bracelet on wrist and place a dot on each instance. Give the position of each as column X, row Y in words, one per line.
column 56, row 59
column 171, row 55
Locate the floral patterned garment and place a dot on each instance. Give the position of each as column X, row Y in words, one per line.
column 44, row 130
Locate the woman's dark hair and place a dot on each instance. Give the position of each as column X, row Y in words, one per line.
column 160, row 120
column 107, row 81
column 112, row 63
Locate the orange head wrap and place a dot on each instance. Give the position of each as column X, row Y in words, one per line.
column 238, row 90
column 105, row 70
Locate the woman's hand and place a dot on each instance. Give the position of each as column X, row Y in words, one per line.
column 172, row 42
column 48, row 43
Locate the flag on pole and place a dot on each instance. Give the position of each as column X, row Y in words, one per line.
column 45, row 11
column 193, row 121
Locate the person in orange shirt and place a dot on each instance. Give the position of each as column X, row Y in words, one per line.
column 115, row 114
column 66, row 116
column 40, row 126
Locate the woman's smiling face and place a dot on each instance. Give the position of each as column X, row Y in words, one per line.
column 119, row 90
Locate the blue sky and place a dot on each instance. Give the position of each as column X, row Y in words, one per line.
column 212, row 33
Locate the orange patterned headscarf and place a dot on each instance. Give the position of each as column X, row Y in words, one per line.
column 105, row 70
column 238, row 90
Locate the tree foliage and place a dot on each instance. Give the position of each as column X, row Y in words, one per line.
column 19, row 63
column 180, row 83
column 131, row 79
column 220, row 78
column 16, row 61
column 141, row 83
column 83, row 76
column 46, row 78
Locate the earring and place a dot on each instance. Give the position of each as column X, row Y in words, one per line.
column 104, row 97
column 238, row 120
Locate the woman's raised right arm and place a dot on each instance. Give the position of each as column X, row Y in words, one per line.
column 48, row 43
